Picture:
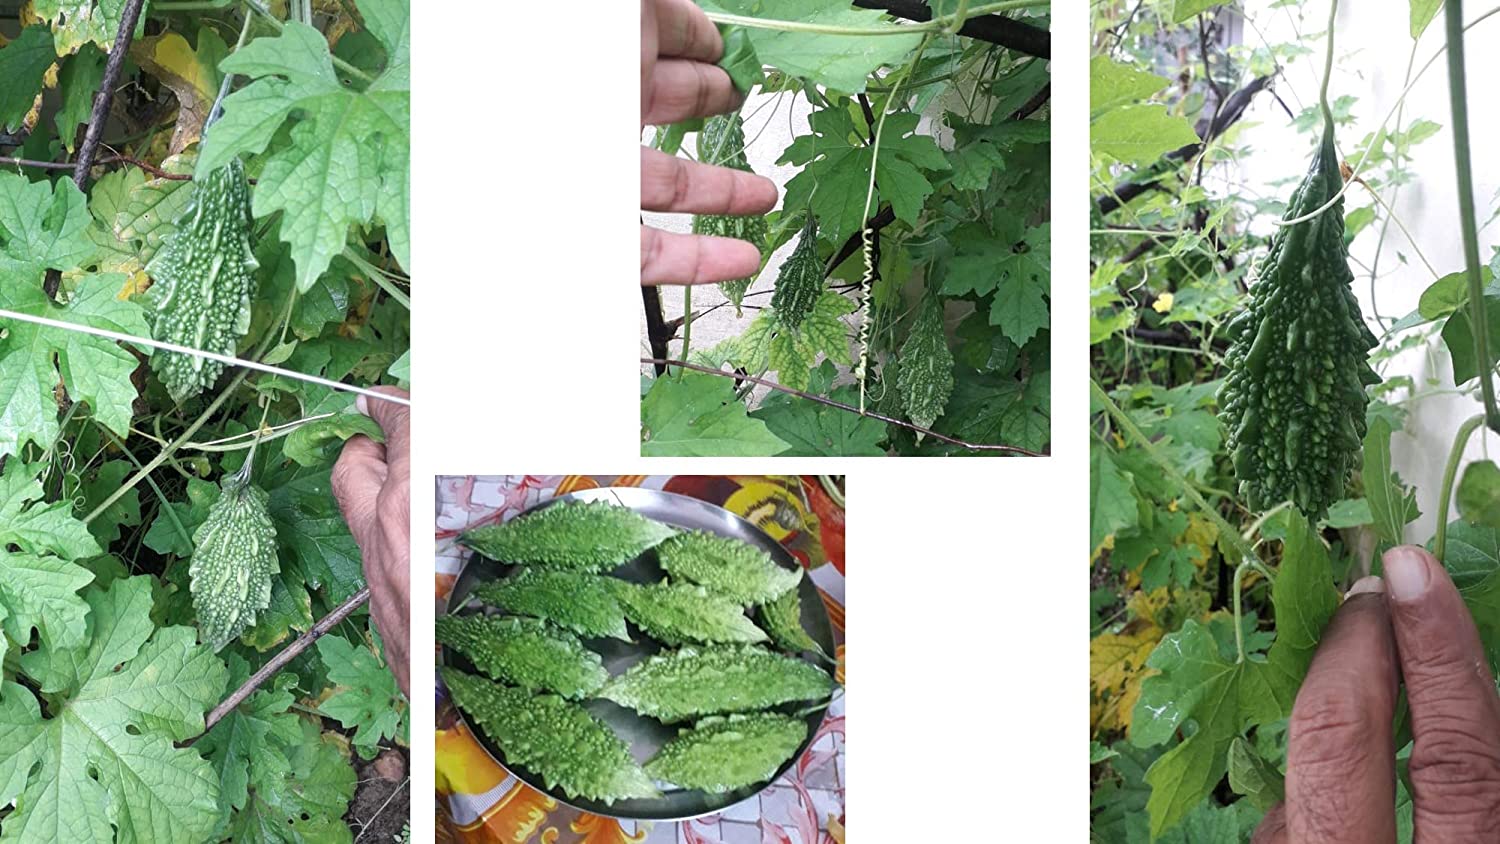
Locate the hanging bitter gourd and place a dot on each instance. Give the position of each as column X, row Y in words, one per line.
column 577, row 601
column 924, row 373
column 524, row 652
column 557, row 740
column 782, row 619
column 234, row 561
column 588, row 536
column 722, row 142
column 1298, row 362
column 681, row 613
column 800, row 281
column 677, row 685
column 728, row 567
column 202, row 281
column 722, row 754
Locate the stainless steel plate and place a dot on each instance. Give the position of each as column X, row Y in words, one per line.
column 644, row 735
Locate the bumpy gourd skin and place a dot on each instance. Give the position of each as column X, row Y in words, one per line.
column 589, row 536
column 717, row 680
column 576, row 601
column 681, row 613
column 559, row 741
column 525, row 652
column 782, row 619
column 722, row 754
column 722, row 142
column 234, row 562
column 728, row 567
column 800, row 282
column 202, row 281
column 1294, row 399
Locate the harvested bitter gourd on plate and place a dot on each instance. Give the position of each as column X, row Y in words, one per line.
column 202, row 281
column 722, row 754
column 590, row 536
column 1298, row 362
column 577, row 601
column 782, row 619
column 525, row 653
column 681, row 613
column 234, row 561
column 728, row 567
column 557, row 740
column 722, row 142
column 715, row 680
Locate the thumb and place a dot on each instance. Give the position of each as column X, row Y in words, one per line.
column 395, row 422
column 356, row 479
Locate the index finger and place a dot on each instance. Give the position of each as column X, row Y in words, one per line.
column 684, row 32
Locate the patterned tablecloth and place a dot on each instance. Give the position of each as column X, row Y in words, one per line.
column 479, row 802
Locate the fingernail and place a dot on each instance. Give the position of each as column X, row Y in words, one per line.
column 1406, row 573
column 1366, row 584
column 362, row 404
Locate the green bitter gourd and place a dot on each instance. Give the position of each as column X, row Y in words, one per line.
column 800, row 281
column 682, row 613
column 722, row 142
column 728, row 567
column 577, row 601
column 782, row 619
column 234, row 561
column 924, row 374
column 591, row 536
column 525, row 653
column 203, row 279
column 722, row 754
column 557, row 740
column 686, row 683
column 1298, row 362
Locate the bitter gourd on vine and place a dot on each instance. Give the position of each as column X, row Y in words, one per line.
column 715, row 680
column 924, row 374
column 782, row 619
column 1298, row 362
column 577, row 601
column 800, row 281
column 557, row 740
column 682, row 613
column 234, row 561
column 202, row 281
column 728, row 567
column 721, row 142
column 591, row 536
column 524, row 652
column 725, row 753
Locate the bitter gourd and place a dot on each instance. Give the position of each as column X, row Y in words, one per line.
column 721, row 142
column 557, row 740
column 686, row 683
column 203, row 279
column 722, row 754
column 576, row 601
column 525, row 653
column 1298, row 362
column 800, row 281
column 728, row 567
column 924, row 374
column 234, row 561
column 782, row 619
column 681, row 613
column 588, row 536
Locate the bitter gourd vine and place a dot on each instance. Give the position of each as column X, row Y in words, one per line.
column 203, row 279
column 525, row 652
column 591, row 536
column 725, row 753
column 782, row 619
column 727, row 567
column 924, row 373
column 234, row 561
column 557, row 740
column 681, row 613
column 800, row 281
column 577, row 601
column 686, row 683
column 722, row 142
column 1298, row 362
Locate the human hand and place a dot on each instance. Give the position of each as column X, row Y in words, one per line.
column 1412, row 628
column 372, row 483
column 679, row 80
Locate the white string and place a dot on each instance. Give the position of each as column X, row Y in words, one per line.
column 227, row 360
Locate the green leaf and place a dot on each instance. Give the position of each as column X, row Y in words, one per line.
column 124, row 512
column 1112, row 506
column 739, row 59
column 79, row 81
column 1422, row 13
column 1254, row 777
column 1392, row 505
column 312, row 536
column 23, row 64
column 80, row 22
column 697, row 415
column 1479, row 493
column 151, row 210
column 1184, row 9
column 1459, row 339
column 317, row 443
column 1112, row 84
column 1139, row 134
column 812, row 429
column 345, row 161
column 841, row 62
column 165, row 537
column 368, row 698
column 104, row 757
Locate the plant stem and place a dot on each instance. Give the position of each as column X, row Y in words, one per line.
column 277, row 25
column 1450, row 473
column 934, row 25
column 1458, row 96
column 378, row 276
column 1333, row 12
column 687, row 321
column 166, row 506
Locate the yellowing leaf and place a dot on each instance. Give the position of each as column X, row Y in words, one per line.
column 1116, row 662
column 135, row 284
column 191, row 74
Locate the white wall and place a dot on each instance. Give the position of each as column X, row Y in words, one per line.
column 1372, row 52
